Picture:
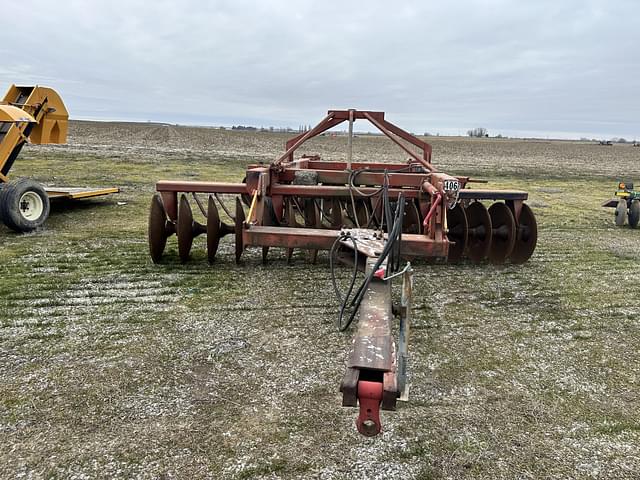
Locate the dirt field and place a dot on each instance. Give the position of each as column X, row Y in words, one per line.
column 113, row 367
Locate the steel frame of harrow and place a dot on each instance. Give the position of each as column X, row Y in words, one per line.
column 269, row 190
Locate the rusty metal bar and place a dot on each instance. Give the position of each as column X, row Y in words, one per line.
column 350, row 140
column 372, row 344
column 370, row 378
column 335, row 165
column 341, row 177
column 311, row 133
column 201, row 187
column 424, row 146
column 384, row 130
column 310, row 191
column 413, row 245
column 403, row 334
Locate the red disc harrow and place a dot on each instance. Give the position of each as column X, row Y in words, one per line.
column 354, row 210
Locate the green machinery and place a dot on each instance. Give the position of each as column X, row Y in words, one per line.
column 626, row 203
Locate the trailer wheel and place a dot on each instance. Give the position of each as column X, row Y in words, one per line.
column 24, row 205
column 634, row 213
column 621, row 212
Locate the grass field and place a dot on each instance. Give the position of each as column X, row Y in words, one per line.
column 113, row 367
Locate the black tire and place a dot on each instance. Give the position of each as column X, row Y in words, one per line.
column 634, row 213
column 24, row 205
column 621, row 212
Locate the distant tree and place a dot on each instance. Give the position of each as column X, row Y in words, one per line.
column 622, row 140
column 478, row 132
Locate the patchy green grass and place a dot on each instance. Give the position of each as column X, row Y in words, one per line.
column 113, row 367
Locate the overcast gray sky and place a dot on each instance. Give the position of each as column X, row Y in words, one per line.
column 565, row 68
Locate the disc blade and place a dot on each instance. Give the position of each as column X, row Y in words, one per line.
column 184, row 228
column 213, row 230
column 362, row 213
column 311, row 220
column 336, row 214
column 526, row 236
column 411, row 222
column 239, row 225
column 290, row 217
column 479, row 235
column 458, row 232
column 268, row 219
column 158, row 230
column 503, row 237
column 269, row 216
column 290, row 214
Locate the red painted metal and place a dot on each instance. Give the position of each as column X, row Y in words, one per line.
column 336, row 117
column 432, row 210
column 201, row 187
column 327, row 191
column 369, row 397
column 412, row 244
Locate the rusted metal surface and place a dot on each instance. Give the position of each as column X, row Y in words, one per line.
column 349, row 387
column 330, row 191
column 413, row 245
column 526, row 236
column 458, row 232
column 239, row 229
column 160, row 228
column 479, row 232
column 335, row 117
column 201, row 187
column 503, row 232
column 371, row 376
column 403, row 333
column 364, row 178
column 372, row 342
column 370, row 243
column 187, row 228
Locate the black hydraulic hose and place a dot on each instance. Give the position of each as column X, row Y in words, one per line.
column 393, row 223
column 394, row 256
column 343, row 300
column 392, row 238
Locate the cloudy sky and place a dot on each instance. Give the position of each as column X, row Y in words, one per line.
column 542, row 68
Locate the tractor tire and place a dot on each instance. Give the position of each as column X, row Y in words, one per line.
column 24, row 205
column 621, row 212
column 634, row 213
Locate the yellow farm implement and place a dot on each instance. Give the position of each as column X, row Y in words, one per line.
column 37, row 115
